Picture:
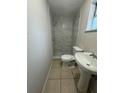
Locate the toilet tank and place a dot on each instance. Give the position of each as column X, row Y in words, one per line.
column 77, row 49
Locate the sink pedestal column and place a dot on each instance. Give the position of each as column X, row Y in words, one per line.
column 83, row 81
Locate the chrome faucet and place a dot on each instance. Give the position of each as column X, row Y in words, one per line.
column 93, row 55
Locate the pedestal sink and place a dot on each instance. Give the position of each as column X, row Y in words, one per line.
column 88, row 66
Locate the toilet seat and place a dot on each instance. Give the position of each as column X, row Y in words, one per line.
column 67, row 58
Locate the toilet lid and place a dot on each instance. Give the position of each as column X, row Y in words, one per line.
column 68, row 57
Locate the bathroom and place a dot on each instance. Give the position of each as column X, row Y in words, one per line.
column 54, row 29
column 47, row 46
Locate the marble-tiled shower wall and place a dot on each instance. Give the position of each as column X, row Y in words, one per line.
column 75, row 28
column 62, row 35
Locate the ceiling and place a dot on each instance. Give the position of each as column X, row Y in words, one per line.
column 65, row 7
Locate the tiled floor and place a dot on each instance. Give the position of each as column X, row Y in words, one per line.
column 62, row 79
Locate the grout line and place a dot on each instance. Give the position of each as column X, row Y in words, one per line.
column 47, row 78
column 54, row 78
column 60, row 85
column 60, row 76
column 72, row 73
column 67, row 78
column 63, row 78
column 75, row 82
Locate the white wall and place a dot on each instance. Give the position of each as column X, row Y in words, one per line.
column 39, row 44
column 65, row 7
column 86, row 40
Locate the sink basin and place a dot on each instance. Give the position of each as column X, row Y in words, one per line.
column 86, row 62
column 88, row 66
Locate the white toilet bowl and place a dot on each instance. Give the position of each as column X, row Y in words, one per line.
column 68, row 58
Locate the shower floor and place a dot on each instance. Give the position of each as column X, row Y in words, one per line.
column 62, row 79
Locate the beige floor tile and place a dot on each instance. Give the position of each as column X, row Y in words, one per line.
column 66, row 72
column 55, row 73
column 56, row 61
column 56, row 64
column 76, row 82
column 65, row 67
column 53, row 86
column 68, row 86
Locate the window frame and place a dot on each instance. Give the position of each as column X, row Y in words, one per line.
column 92, row 14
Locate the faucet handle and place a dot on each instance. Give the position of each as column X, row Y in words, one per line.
column 93, row 55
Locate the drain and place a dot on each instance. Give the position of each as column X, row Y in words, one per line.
column 88, row 64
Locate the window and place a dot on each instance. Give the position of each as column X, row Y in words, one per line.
column 92, row 19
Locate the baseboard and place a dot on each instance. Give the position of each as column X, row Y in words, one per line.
column 56, row 57
column 44, row 86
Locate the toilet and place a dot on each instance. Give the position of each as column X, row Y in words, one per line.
column 68, row 59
